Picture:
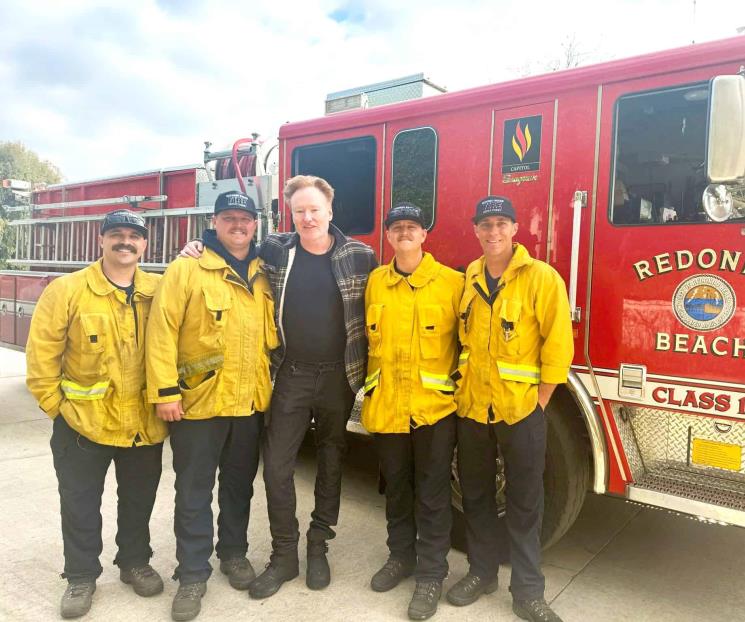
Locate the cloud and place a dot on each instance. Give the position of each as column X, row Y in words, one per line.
column 104, row 88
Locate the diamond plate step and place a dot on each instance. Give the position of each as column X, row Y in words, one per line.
column 692, row 493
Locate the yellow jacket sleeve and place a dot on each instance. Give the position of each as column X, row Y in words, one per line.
column 47, row 340
column 552, row 313
column 163, row 328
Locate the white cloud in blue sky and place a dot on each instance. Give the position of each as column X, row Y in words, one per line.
column 103, row 88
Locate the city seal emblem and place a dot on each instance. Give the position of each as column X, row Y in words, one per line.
column 704, row 302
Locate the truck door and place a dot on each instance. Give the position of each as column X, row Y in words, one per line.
column 668, row 284
column 351, row 162
column 522, row 168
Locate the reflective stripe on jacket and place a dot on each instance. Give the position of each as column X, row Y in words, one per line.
column 511, row 346
column 209, row 338
column 86, row 357
column 412, row 333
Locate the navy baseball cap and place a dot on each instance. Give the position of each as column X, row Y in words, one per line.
column 235, row 200
column 494, row 206
column 124, row 218
column 405, row 211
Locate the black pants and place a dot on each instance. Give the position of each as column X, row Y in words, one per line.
column 199, row 447
column 416, row 468
column 81, row 467
column 523, row 447
column 305, row 392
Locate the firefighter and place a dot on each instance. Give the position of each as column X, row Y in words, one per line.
column 517, row 347
column 411, row 311
column 209, row 335
column 86, row 368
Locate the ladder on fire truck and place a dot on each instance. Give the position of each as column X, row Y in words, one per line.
column 58, row 236
column 71, row 241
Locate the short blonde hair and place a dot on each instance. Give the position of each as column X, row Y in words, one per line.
column 299, row 182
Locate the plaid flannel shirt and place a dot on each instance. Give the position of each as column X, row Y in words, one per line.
column 351, row 262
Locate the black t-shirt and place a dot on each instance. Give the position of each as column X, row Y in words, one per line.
column 313, row 311
column 128, row 290
column 491, row 282
column 402, row 273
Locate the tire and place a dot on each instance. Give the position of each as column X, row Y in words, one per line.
column 565, row 479
column 567, row 474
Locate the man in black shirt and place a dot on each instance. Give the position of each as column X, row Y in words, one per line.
column 318, row 279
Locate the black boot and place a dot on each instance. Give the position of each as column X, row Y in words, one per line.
column 268, row 582
column 239, row 571
column 423, row 603
column 391, row 574
column 468, row 590
column 144, row 580
column 536, row 610
column 188, row 601
column 318, row 574
column 77, row 599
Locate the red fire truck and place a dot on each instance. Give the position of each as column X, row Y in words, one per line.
column 629, row 179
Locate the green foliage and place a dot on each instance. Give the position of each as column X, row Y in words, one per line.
column 18, row 162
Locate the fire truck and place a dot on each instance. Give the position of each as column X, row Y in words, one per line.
column 628, row 178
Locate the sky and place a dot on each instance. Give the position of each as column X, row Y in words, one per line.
column 107, row 88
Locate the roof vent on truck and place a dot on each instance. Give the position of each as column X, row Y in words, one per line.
column 388, row 92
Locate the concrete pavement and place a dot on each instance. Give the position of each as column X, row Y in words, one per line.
column 620, row 562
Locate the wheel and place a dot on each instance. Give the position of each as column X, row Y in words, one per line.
column 567, row 473
column 565, row 479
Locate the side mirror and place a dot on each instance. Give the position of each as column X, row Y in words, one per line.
column 725, row 158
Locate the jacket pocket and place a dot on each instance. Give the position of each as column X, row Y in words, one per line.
column 373, row 320
column 218, row 304
column 430, row 331
column 509, row 333
column 465, row 321
column 95, row 327
column 95, row 335
column 198, row 394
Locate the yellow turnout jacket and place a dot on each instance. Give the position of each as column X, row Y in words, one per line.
column 209, row 338
column 86, row 357
column 412, row 332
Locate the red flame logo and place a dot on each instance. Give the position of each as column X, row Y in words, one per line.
column 521, row 141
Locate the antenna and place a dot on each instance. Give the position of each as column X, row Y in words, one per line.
column 693, row 38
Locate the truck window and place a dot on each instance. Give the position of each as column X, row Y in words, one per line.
column 349, row 166
column 660, row 148
column 414, row 170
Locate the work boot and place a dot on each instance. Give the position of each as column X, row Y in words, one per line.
column 239, row 570
column 188, row 601
column 468, row 590
column 536, row 610
column 78, row 597
column 144, row 580
column 268, row 582
column 391, row 574
column 423, row 603
column 318, row 573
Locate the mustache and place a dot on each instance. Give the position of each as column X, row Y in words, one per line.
column 124, row 247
